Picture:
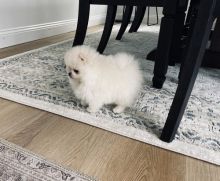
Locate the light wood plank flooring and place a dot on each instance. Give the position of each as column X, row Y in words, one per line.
column 107, row 156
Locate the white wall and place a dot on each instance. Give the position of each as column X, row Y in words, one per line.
column 27, row 20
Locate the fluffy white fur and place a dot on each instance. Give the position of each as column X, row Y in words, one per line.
column 98, row 79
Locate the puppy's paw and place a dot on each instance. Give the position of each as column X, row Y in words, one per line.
column 118, row 109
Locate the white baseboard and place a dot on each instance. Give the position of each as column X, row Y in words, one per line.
column 14, row 36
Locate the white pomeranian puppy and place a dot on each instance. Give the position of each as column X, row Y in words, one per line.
column 98, row 79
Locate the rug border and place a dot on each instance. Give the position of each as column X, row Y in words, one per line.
column 190, row 150
column 130, row 132
column 51, row 162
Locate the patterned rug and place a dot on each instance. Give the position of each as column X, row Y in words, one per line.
column 20, row 165
column 38, row 79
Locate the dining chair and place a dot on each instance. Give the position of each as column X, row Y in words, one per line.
column 199, row 31
column 83, row 17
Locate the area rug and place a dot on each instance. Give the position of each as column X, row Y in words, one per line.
column 38, row 79
column 18, row 164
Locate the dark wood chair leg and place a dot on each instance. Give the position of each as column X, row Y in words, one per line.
column 212, row 54
column 215, row 43
column 176, row 47
column 176, row 44
column 109, row 22
column 166, row 37
column 125, row 21
column 163, row 47
column 152, row 55
column 83, row 18
column 193, row 60
column 188, row 35
column 148, row 17
column 138, row 18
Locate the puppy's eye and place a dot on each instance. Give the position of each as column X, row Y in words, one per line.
column 76, row 71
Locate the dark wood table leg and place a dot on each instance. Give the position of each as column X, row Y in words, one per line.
column 109, row 22
column 190, row 70
column 212, row 55
column 176, row 44
column 168, row 31
column 175, row 50
column 83, row 18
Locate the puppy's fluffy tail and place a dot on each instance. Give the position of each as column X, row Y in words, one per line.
column 128, row 62
column 131, row 75
column 124, row 59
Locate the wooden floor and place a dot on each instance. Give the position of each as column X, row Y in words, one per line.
column 98, row 153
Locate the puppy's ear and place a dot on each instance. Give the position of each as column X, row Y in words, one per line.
column 82, row 57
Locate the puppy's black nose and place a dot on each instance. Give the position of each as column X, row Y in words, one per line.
column 70, row 74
